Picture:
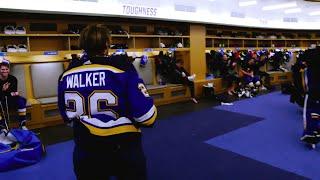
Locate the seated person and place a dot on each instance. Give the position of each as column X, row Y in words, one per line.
column 229, row 73
column 10, row 99
column 276, row 60
column 249, row 77
column 180, row 75
column 164, row 67
column 259, row 61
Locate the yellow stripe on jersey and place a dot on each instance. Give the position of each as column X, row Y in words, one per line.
column 149, row 117
column 91, row 67
column 22, row 113
column 111, row 131
column 151, row 120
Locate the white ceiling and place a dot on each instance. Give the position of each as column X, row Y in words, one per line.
column 230, row 12
column 206, row 11
column 255, row 11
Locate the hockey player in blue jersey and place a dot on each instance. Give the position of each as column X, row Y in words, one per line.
column 107, row 103
column 311, row 113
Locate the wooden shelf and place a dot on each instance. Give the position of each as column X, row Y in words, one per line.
column 147, row 36
column 246, row 48
column 160, row 36
column 41, row 53
column 78, row 35
column 270, row 39
column 40, row 35
column 21, row 54
column 240, row 42
column 153, row 49
column 41, row 42
column 24, row 57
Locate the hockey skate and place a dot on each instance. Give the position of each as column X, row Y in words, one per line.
column 311, row 140
column 241, row 92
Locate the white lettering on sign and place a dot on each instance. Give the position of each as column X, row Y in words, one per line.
column 139, row 10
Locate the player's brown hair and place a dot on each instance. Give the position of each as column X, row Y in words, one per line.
column 95, row 39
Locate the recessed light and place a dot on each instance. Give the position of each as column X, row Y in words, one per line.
column 280, row 6
column 314, row 13
column 247, row 3
column 293, row 10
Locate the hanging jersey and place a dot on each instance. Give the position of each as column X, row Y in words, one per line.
column 143, row 61
column 106, row 100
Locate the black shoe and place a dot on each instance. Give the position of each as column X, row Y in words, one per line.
column 311, row 139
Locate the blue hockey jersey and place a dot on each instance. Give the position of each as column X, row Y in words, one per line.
column 106, row 100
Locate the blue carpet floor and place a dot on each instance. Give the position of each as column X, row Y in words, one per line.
column 178, row 148
column 275, row 140
column 56, row 165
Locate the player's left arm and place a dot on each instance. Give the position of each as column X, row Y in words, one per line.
column 144, row 112
column 13, row 87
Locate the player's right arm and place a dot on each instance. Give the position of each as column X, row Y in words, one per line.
column 61, row 100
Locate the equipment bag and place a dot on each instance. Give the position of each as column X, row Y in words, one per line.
column 27, row 150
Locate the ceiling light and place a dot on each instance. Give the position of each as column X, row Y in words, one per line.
column 247, row 3
column 314, row 13
column 280, row 6
column 293, row 10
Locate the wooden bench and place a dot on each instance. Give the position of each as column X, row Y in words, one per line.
column 276, row 78
column 170, row 93
column 44, row 83
column 218, row 83
column 279, row 77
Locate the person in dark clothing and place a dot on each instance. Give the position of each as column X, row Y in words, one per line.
column 255, row 63
column 297, row 89
column 10, row 98
column 264, row 76
column 218, row 64
column 248, row 71
column 163, row 68
column 229, row 73
column 311, row 113
column 180, row 75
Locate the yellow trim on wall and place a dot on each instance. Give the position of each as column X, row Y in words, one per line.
column 27, row 59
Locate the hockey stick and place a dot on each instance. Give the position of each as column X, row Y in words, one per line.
column 4, row 117
column 13, row 147
column 8, row 115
